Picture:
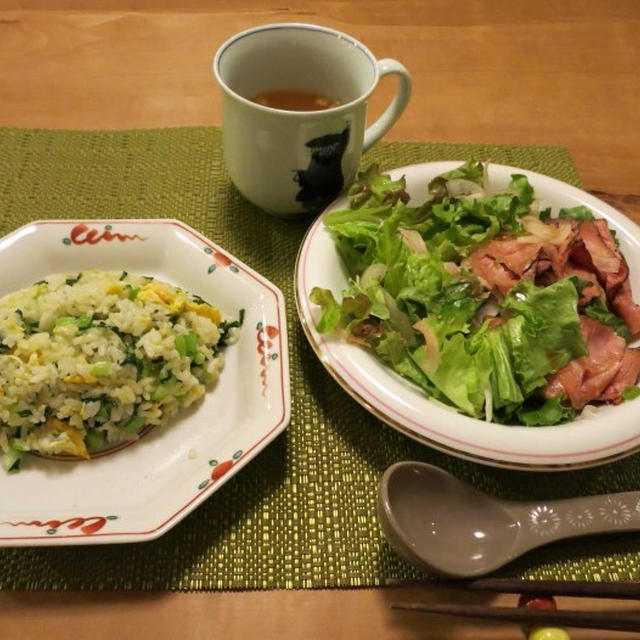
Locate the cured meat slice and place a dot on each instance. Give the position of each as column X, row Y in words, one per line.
column 503, row 262
column 585, row 379
column 597, row 252
column 626, row 376
column 626, row 308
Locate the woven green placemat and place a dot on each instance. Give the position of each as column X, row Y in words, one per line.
column 302, row 514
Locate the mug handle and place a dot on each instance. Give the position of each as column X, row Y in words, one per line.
column 394, row 110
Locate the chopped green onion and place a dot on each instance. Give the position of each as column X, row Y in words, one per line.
column 186, row 344
column 12, row 459
column 180, row 344
column 94, row 440
column 163, row 390
column 104, row 413
column 63, row 321
column 198, row 358
column 165, row 374
column 102, row 368
column 15, row 408
column 630, row 393
column 83, row 322
column 207, row 377
column 72, row 281
column 29, row 327
column 133, row 292
column 134, row 424
column 192, row 343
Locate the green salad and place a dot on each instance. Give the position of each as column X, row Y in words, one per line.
column 416, row 300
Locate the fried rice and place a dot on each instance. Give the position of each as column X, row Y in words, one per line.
column 90, row 359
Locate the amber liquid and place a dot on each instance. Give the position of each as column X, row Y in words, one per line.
column 292, row 100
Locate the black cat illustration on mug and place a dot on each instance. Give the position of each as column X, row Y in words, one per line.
column 322, row 180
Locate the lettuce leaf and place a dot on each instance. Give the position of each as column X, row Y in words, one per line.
column 545, row 333
column 504, row 387
column 373, row 188
column 393, row 351
column 331, row 310
column 541, row 413
column 597, row 310
column 471, row 170
column 578, row 213
column 461, row 376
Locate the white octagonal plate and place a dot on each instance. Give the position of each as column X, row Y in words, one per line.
column 140, row 491
column 611, row 434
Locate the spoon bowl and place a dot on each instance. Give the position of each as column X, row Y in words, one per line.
column 441, row 524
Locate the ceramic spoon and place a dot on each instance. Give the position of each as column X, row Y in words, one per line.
column 440, row 524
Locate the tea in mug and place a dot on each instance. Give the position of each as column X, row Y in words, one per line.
column 293, row 100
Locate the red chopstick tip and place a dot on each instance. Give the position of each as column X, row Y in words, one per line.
column 529, row 601
column 535, row 602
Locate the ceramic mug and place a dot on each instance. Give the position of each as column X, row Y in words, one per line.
column 295, row 162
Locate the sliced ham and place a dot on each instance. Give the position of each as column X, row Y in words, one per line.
column 494, row 321
column 585, row 249
column 592, row 290
column 568, row 382
column 597, row 252
column 585, row 379
column 626, row 308
column 557, row 253
column 626, row 376
column 507, row 260
column 503, row 262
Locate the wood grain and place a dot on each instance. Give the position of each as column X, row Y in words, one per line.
column 527, row 72
column 507, row 71
column 270, row 615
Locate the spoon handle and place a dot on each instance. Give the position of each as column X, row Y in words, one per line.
column 555, row 519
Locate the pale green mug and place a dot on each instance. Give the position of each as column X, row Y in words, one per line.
column 297, row 162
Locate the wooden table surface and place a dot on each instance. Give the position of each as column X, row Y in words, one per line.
column 540, row 72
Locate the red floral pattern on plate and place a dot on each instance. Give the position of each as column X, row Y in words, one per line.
column 83, row 234
column 265, row 337
column 87, row 526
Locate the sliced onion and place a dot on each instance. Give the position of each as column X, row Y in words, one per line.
column 399, row 319
column 485, row 177
column 488, row 404
column 534, row 208
column 606, row 263
column 374, row 272
column 462, row 188
column 541, row 232
column 433, row 348
column 589, row 411
column 451, row 268
column 413, row 240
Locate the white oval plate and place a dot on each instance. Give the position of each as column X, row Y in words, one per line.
column 613, row 433
column 143, row 490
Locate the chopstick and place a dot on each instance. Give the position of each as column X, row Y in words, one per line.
column 611, row 621
column 573, row 588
